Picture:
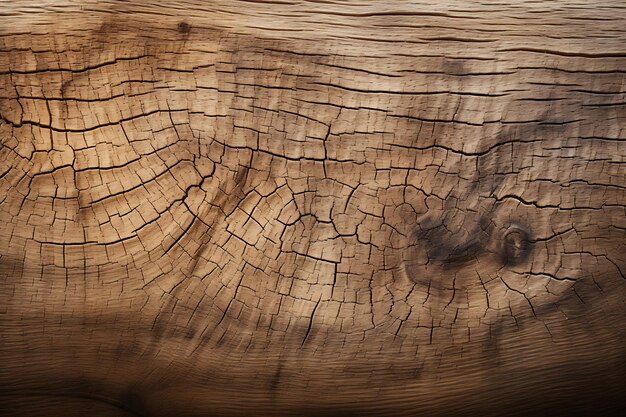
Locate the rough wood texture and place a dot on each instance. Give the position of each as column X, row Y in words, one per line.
column 241, row 208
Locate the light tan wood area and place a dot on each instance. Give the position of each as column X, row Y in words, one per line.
column 312, row 208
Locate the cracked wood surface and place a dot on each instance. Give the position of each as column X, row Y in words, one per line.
column 236, row 208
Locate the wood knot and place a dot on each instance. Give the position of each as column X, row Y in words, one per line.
column 184, row 27
column 515, row 245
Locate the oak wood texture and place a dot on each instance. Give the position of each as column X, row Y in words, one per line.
column 240, row 208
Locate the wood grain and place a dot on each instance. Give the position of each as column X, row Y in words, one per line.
column 241, row 208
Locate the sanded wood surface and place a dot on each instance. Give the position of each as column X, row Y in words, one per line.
column 242, row 208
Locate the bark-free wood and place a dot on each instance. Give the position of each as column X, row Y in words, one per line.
column 312, row 208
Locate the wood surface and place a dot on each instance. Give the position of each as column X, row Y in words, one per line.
column 310, row 208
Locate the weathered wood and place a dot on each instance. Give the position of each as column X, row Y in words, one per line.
column 312, row 208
